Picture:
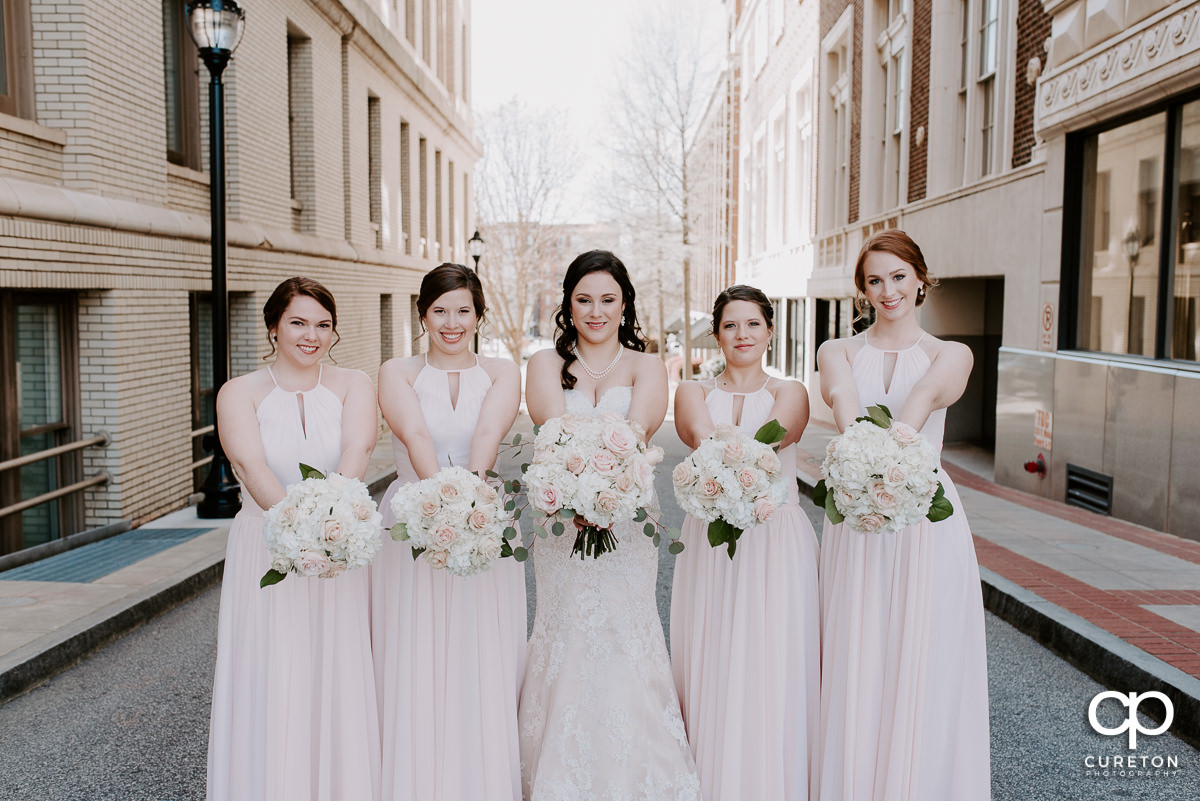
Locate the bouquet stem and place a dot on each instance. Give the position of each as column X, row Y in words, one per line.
column 593, row 541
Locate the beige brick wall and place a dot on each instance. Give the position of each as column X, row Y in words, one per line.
column 127, row 232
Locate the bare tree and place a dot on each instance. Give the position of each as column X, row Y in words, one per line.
column 666, row 77
column 528, row 162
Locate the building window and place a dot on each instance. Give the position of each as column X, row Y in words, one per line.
column 180, row 61
column 451, row 251
column 16, row 59
column 780, row 206
column 387, row 338
column 795, row 336
column 1136, row 284
column 375, row 170
column 39, row 377
column 439, row 233
column 301, row 155
column 423, row 197
column 203, row 397
column 801, row 164
column 834, row 134
column 989, row 33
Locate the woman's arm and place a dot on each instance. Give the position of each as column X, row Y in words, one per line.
column 837, row 382
column 402, row 411
column 941, row 385
column 791, row 410
column 496, row 416
column 241, row 440
column 359, row 432
column 544, row 396
column 649, row 404
column 693, row 422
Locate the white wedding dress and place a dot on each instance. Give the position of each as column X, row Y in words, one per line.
column 599, row 718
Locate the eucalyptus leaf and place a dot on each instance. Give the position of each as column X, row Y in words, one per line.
column 831, row 510
column 509, row 533
column 491, row 474
column 516, row 514
column 520, row 554
column 649, row 529
column 558, row 528
column 656, row 539
column 509, row 505
column 399, row 532
column 640, row 516
column 517, row 438
column 272, row 576
column 675, row 548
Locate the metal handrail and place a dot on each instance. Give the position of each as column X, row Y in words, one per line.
column 100, row 439
column 208, row 429
column 100, row 478
column 196, row 465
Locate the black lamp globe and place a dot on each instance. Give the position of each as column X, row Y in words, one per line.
column 475, row 246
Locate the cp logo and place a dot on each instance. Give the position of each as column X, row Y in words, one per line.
column 1131, row 724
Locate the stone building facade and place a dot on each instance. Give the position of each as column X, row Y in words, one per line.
column 350, row 157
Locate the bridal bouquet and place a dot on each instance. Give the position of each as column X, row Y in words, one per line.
column 594, row 466
column 455, row 520
column 881, row 475
column 324, row 526
column 733, row 481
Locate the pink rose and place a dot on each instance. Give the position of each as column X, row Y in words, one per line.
column 895, row 475
column 448, row 492
column 734, row 452
column 333, row 530
column 568, row 423
column 845, row 499
column 288, row 516
column 625, row 481
column 764, row 510
column 881, row 498
column 645, row 475
column 870, row 523
column 709, row 488
column 619, row 439
column 608, row 501
column 768, row 462
column 362, row 511
column 654, row 455
column 904, row 433
column 575, row 463
column 604, row 462
column 444, row 535
column 683, row 475
column 746, row 477
column 484, row 493
column 489, row 549
column 436, row 559
column 334, row 570
column 312, row 563
column 479, row 519
column 428, row 507
column 547, row 499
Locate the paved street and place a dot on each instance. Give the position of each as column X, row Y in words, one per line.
column 130, row 723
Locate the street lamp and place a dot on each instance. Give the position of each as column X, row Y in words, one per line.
column 475, row 246
column 1132, row 245
column 216, row 27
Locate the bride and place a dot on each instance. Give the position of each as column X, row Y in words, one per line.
column 599, row 717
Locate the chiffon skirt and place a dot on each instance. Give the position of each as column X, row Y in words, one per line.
column 745, row 652
column 449, row 660
column 904, row 700
column 294, row 714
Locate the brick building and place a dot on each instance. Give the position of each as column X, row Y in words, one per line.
column 350, row 156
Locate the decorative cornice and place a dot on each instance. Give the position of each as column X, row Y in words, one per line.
column 1135, row 64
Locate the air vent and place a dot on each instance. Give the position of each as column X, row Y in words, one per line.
column 1089, row 489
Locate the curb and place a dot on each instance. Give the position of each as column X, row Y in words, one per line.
column 1105, row 657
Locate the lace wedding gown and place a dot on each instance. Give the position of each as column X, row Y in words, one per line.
column 599, row 718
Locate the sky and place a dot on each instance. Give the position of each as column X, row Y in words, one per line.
column 557, row 54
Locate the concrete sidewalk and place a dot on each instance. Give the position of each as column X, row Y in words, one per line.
column 56, row 611
column 1118, row 601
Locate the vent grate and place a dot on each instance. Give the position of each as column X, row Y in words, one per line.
column 1089, row 490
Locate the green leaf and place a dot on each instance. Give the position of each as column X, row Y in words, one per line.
column 566, row 514
column 720, row 532
column 732, row 546
column 491, row 474
column 417, row 552
column 819, row 492
column 509, row 505
column 831, row 510
column 537, row 429
column 640, row 516
column 516, row 485
column 941, row 508
column 517, row 438
column 771, row 432
column 675, row 548
column 525, row 467
column 887, row 411
column 516, row 514
column 509, row 533
column 505, row 549
column 656, row 539
column 399, row 532
column 649, row 529
column 558, row 528
column 310, row 472
column 520, row 554
column 541, row 532
column 272, row 576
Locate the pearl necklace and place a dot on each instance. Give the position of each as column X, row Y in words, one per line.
column 597, row 375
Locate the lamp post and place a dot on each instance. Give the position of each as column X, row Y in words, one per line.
column 216, row 27
column 1132, row 245
column 475, row 246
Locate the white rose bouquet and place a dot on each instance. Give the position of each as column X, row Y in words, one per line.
column 324, row 526
column 456, row 520
column 733, row 481
column 881, row 475
column 597, row 467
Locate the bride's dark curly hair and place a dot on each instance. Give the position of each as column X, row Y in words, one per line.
column 629, row 332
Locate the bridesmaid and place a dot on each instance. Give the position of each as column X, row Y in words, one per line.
column 293, row 710
column 745, row 631
column 904, row 709
column 449, row 651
